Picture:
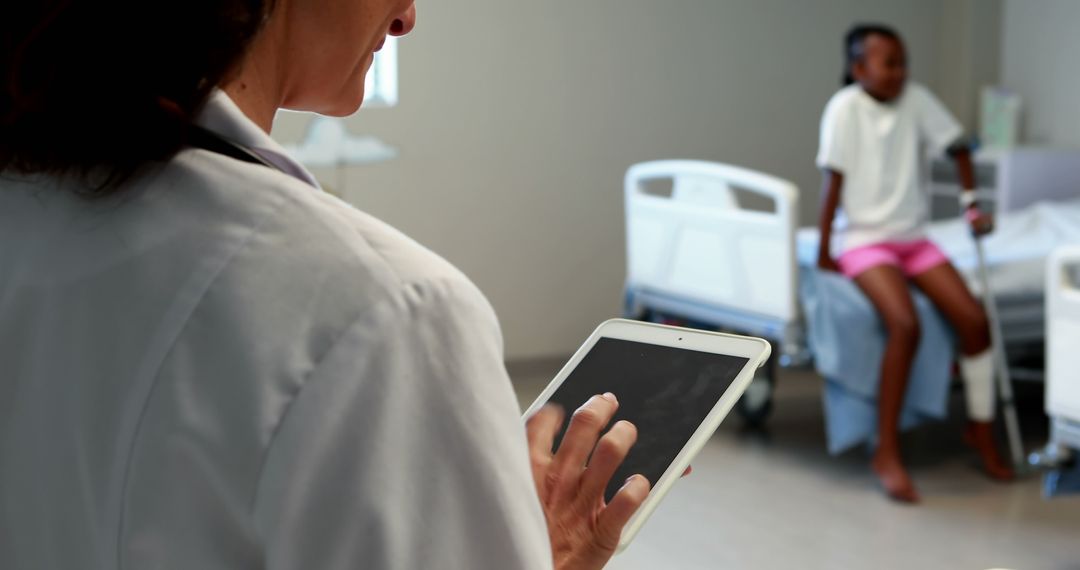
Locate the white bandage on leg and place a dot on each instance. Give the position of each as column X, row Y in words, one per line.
column 978, row 374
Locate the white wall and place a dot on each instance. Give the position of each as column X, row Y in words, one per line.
column 1041, row 61
column 518, row 119
column 969, row 55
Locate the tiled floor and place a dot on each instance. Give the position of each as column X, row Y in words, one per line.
column 775, row 500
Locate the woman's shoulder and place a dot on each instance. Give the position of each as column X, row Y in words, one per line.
column 300, row 233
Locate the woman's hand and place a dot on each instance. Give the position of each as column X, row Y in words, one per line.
column 584, row 530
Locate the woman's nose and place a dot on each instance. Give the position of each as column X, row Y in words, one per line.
column 404, row 23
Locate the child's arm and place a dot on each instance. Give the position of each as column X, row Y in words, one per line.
column 981, row 223
column 964, row 168
column 832, row 182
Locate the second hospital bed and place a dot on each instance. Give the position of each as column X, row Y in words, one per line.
column 719, row 246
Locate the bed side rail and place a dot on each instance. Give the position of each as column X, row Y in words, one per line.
column 700, row 243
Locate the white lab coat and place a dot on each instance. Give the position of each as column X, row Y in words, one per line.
column 223, row 367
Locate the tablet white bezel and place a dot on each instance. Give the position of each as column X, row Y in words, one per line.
column 755, row 350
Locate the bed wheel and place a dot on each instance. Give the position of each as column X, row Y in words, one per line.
column 757, row 402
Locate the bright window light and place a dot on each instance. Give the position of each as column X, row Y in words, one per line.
column 381, row 83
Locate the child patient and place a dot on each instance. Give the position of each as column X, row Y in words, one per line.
column 874, row 134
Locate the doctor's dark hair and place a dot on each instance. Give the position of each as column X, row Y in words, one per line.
column 854, row 42
column 98, row 89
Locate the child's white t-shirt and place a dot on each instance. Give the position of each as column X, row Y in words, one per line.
column 879, row 149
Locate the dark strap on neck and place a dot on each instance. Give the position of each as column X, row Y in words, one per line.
column 199, row 137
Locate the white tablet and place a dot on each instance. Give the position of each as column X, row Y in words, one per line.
column 676, row 385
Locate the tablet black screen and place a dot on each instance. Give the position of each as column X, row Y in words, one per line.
column 666, row 392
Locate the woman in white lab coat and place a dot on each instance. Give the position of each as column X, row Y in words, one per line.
column 206, row 362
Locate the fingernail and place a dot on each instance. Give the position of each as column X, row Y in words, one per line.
column 610, row 397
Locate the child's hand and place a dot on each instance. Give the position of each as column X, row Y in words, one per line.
column 827, row 263
column 981, row 222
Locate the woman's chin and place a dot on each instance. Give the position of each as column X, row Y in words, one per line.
column 345, row 104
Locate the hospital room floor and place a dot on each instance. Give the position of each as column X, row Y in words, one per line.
column 775, row 499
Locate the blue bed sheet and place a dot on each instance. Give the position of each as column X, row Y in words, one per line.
column 847, row 340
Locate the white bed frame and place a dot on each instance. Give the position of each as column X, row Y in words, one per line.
column 1062, row 358
column 696, row 252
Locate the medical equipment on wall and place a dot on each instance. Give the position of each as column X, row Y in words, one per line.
column 999, row 117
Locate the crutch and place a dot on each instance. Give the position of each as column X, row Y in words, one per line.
column 1001, row 365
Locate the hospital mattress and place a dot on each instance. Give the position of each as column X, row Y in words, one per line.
column 1016, row 259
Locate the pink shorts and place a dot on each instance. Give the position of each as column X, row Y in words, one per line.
column 910, row 257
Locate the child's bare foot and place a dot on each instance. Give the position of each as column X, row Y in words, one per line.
column 980, row 437
column 894, row 478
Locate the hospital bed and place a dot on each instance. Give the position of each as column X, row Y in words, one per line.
column 718, row 246
column 1061, row 456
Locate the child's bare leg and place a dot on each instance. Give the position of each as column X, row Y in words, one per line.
column 946, row 288
column 887, row 289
